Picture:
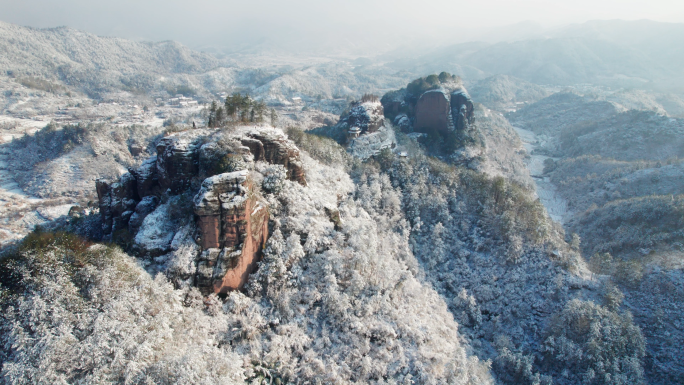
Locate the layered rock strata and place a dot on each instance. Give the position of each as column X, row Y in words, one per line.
column 231, row 221
column 266, row 146
column 233, row 228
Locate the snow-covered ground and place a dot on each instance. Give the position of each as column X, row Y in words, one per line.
column 555, row 204
column 20, row 212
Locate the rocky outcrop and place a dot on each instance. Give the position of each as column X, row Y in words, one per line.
column 462, row 110
column 117, row 202
column 177, row 162
column 363, row 130
column 146, row 177
column 431, row 104
column 231, row 220
column 367, row 116
column 272, row 148
column 144, row 208
column 443, row 111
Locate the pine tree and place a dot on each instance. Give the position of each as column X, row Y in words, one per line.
column 260, row 109
column 219, row 117
column 231, row 105
column 274, row 117
column 211, row 121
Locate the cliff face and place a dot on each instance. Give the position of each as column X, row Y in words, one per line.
column 233, row 227
column 442, row 110
column 433, row 111
column 430, row 104
column 230, row 220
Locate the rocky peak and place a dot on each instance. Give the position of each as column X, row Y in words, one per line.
column 229, row 219
column 363, row 129
column 368, row 116
column 438, row 109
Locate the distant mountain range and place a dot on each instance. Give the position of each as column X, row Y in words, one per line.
column 627, row 54
column 78, row 58
column 643, row 54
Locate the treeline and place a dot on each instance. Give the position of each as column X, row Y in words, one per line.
column 420, row 85
column 240, row 108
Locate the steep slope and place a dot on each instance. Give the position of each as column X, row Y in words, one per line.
column 338, row 297
column 620, row 172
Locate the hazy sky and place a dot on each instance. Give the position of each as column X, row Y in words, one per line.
column 199, row 23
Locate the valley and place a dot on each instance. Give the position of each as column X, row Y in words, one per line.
column 168, row 216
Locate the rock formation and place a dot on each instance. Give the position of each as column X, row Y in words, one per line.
column 233, row 228
column 368, row 116
column 230, row 218
column 443, row 111
column 277, row 150
column 443, row 106
column 462, row 110
column 363, row 129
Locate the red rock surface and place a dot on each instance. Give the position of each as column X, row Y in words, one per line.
column 209, row 228
column 232, row 222
column 253, row 229
column 232, row 219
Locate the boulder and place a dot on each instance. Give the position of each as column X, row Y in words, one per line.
column 403, row 122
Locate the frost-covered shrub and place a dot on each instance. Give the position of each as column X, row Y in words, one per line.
column 590, row 344
column 321, row 148
column 274, row 178
column 345, row 301
column 487, row 246
column 77, row 313
column 516, row 368
column 625, row 226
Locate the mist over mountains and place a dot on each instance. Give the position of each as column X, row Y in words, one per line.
column 634, row 54
column 344, row 205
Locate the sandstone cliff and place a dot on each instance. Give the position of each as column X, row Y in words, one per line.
column 227, row 218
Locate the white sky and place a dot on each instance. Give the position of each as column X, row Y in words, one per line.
column 215, row 22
